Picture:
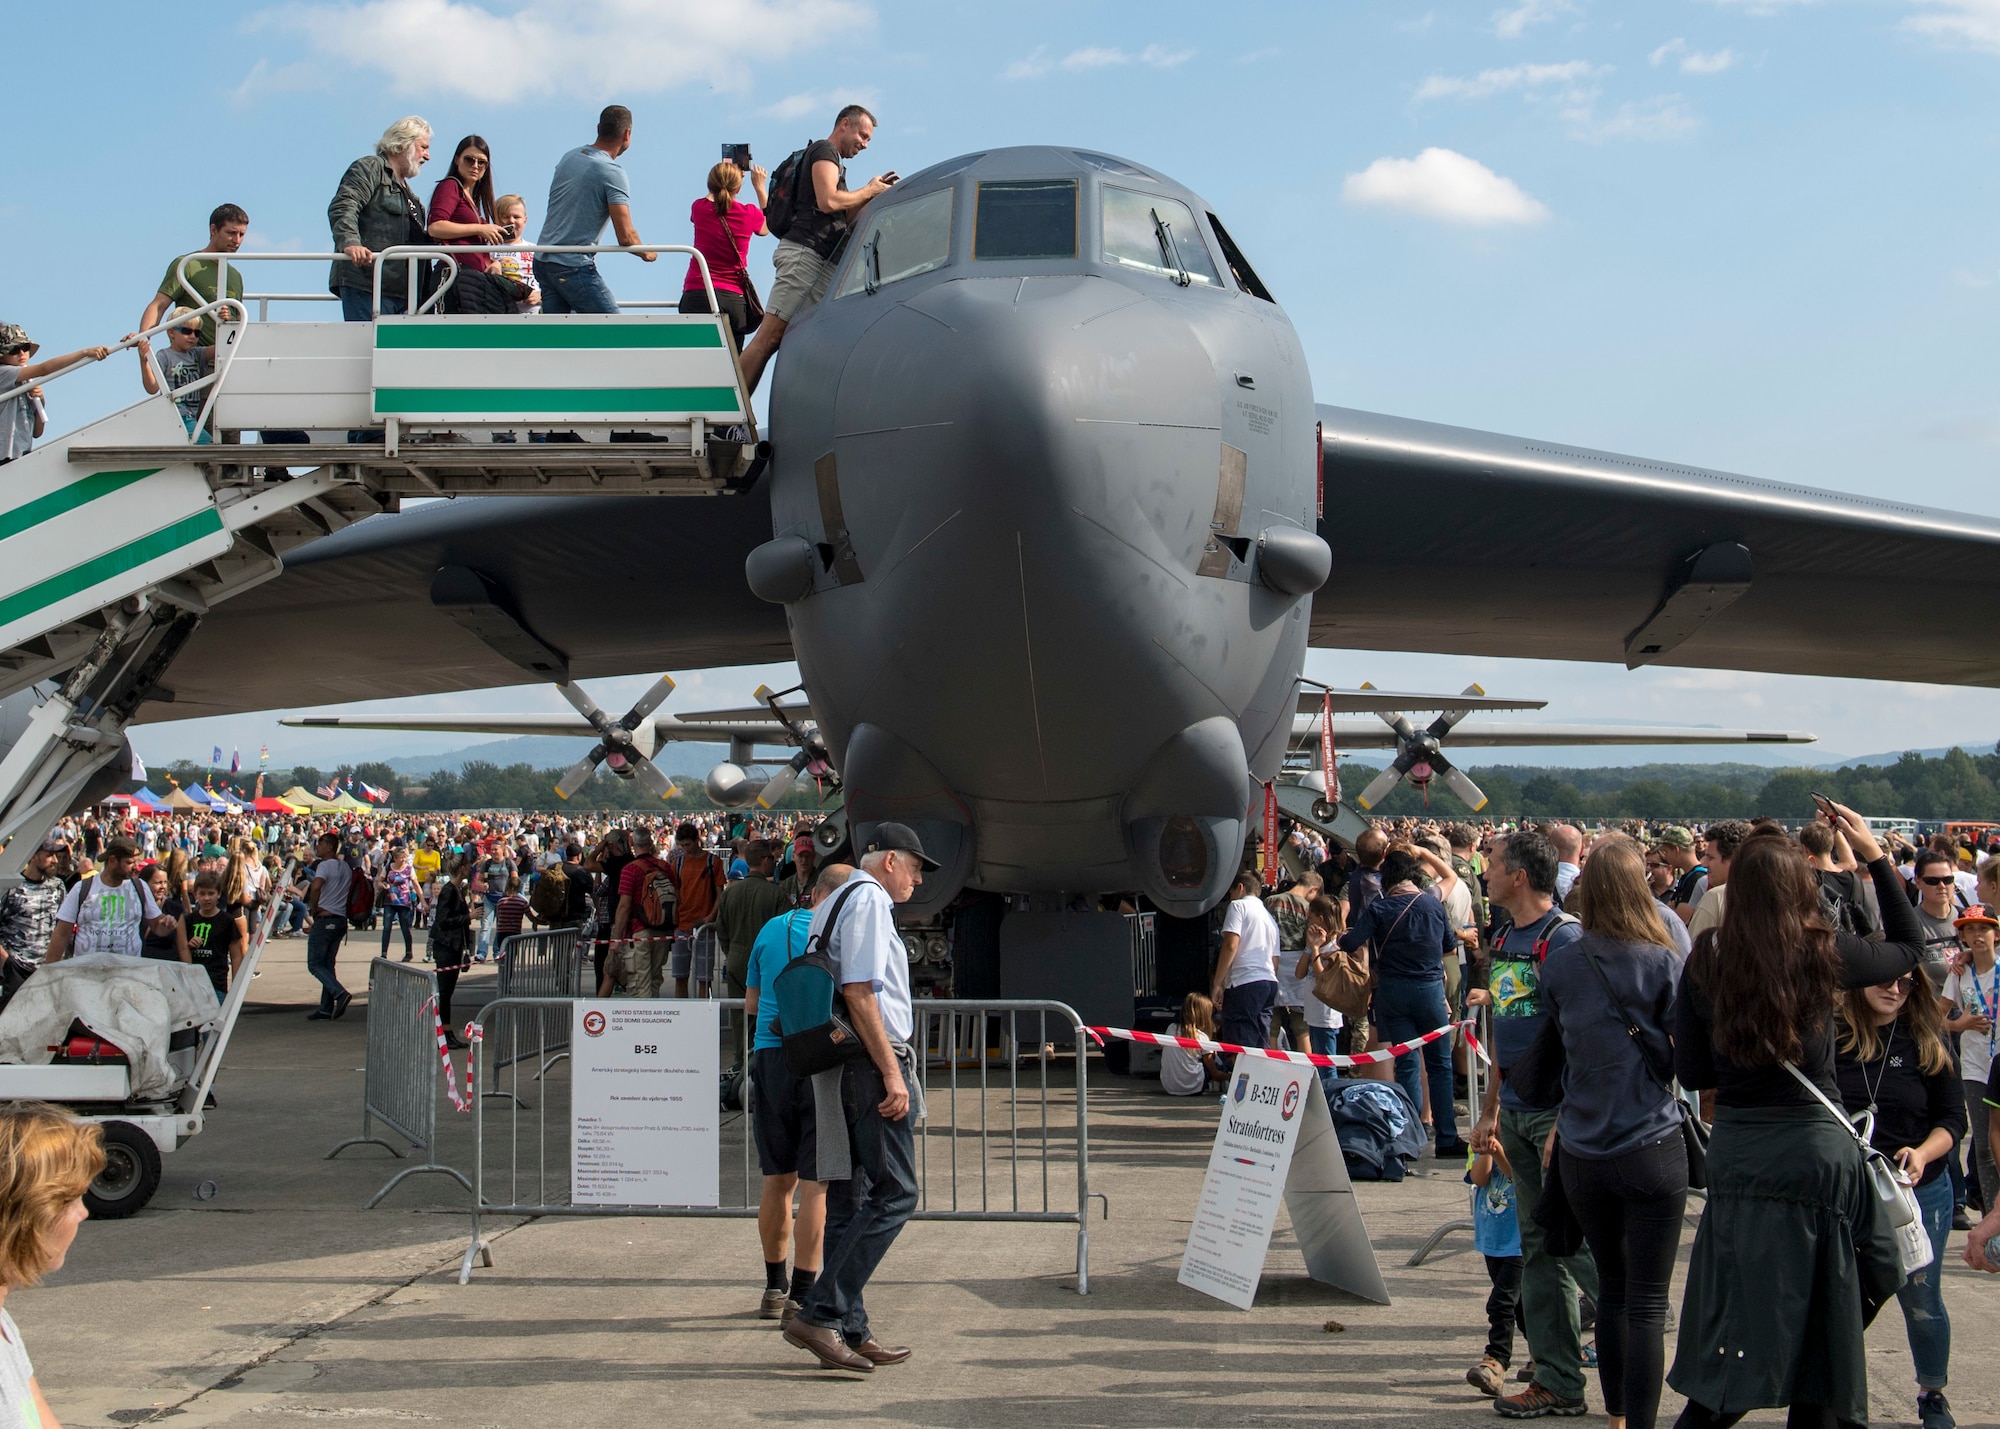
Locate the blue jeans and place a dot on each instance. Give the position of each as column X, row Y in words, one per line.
column 392, row 914
column 487, row 925
column 1406, row 1008
column 1326, row 1042
column 1922, row 1295
column 865, row 1215
column 573, row 289
column 322, row 945
column 354, row 305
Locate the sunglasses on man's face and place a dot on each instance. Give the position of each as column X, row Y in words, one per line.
column 1938, row 882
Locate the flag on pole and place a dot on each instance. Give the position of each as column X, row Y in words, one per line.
column 264, row 754
column 215, row 756
column 235, row 761
column 1270, row 834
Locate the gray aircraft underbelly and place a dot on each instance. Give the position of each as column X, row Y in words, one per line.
column 1027, row 627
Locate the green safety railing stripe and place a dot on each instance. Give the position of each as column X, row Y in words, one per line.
column 84, row 489
column 113, row 562
column 392, row 400
column 544, row 334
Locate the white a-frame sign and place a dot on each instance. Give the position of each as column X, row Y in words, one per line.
column 1276, row 1141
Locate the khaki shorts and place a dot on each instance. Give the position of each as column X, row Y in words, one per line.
column 801, row 281
column 642, row 962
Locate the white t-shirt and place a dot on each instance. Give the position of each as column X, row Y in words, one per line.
column 1318, row 1014
column 1181, row 1071
column 333, row 893
column 865, row 947
column 17, row 418
column 1257, row 951
column 17, row 1392
column 1976, row 992
column 1708, row 911
column 107, row 920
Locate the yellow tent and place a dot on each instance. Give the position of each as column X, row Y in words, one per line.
column 300, row 799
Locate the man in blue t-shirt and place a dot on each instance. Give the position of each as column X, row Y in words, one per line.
column 783, row 1116
column 1521, row 883
column 588, row 191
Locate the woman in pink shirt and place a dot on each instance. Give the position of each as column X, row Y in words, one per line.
column 723, row 229
column 462, row 204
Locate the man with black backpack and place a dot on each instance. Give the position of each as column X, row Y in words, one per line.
column 329, row 897
column 866, row 1212
column 809, row 213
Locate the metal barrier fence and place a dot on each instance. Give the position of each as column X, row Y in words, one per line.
column 993, row 1146
column 400, row 1089
column 534, row 965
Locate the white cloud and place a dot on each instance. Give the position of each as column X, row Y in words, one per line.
column 1444, row 185
column 1091, row 57
column 1973, row 24
column 1512, row 23
column 1662, row 117
column 1762, row 7
column 827, row 103
column 1694, row 61
column 1572, row 80
column 543, row 47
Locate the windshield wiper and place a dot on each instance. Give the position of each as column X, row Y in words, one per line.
column 1169, row 250
column 872, row 266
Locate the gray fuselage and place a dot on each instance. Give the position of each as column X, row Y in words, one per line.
column 1045, row 526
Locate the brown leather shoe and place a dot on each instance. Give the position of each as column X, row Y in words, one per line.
column 831, row 1350
column 879, row 1353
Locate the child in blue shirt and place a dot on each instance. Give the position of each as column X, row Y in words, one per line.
column 1496, row 1234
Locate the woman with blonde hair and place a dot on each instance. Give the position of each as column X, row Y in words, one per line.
column 47, row 1161
column 1621, row 1156
column 1892, row 1062
column 723, row 229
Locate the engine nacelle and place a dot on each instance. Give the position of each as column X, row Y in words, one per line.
column 733, row 786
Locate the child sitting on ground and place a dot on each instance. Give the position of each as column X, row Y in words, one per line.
column 1184, row 1073
column 1496, row 1234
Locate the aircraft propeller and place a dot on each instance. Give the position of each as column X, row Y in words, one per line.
column 1420, row 759
column 616, row 745
column 811, row 752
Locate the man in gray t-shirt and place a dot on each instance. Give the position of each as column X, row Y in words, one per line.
column 588, row 191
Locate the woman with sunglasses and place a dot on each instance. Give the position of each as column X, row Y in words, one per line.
column 461, row 209
column 1892, row 1062
column 1792, row 1258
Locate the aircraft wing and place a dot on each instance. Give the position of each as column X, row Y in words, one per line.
column 1472, row 731
column 1466, row 542
column 614, row 585
column 666, row 729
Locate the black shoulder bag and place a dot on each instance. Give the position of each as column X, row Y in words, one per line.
column 1694, row 1131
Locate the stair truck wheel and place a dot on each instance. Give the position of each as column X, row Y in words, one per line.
column 130, row 1176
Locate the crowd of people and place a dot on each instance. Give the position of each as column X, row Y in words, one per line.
column 1749, row 1011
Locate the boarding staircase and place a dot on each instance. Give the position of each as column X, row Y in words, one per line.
column 116, row 539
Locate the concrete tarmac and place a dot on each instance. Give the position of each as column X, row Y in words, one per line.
column 270, row 1297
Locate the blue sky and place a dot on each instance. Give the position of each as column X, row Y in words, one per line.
column 1754, row 236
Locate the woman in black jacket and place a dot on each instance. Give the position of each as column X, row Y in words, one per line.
column 1892, row 1061
column 451, row 942
column 1790, row 1260
column 1624, row 1162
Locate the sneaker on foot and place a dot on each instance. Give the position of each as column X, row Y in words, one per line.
column 1489, row 1376
column 319, row 1017
column 1933, row 1412
column 1453, row 1151
column 1536, row 1401
column 1960, row 1221
column 772, row 1307
column 340, row 1001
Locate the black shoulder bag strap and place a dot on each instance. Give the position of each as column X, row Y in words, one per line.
column 826, row 933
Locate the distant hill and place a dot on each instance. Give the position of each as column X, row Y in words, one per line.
column 1970, row 746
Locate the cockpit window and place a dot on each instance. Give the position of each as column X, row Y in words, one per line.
column 1110, row 165
column 1034, row 218
column 1239, row 266
column 901, row 242
column 1155, row 234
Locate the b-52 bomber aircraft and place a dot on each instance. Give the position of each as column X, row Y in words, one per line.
column 1045, row 523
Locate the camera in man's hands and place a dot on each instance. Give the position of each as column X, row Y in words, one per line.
column 737, row 154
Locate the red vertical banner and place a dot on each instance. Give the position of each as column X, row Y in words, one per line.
column 1270, row 834
column 1329, row 773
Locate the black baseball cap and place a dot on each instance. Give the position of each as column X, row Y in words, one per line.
column 900, row 838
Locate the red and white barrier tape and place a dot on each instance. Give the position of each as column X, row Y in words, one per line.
column 1307, row 1059
column 473, row 1037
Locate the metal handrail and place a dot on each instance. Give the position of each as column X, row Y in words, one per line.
column 223, row 260
column 414, row 252
column 142, row 340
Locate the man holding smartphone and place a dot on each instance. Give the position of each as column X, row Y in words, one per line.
column 822, row 209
